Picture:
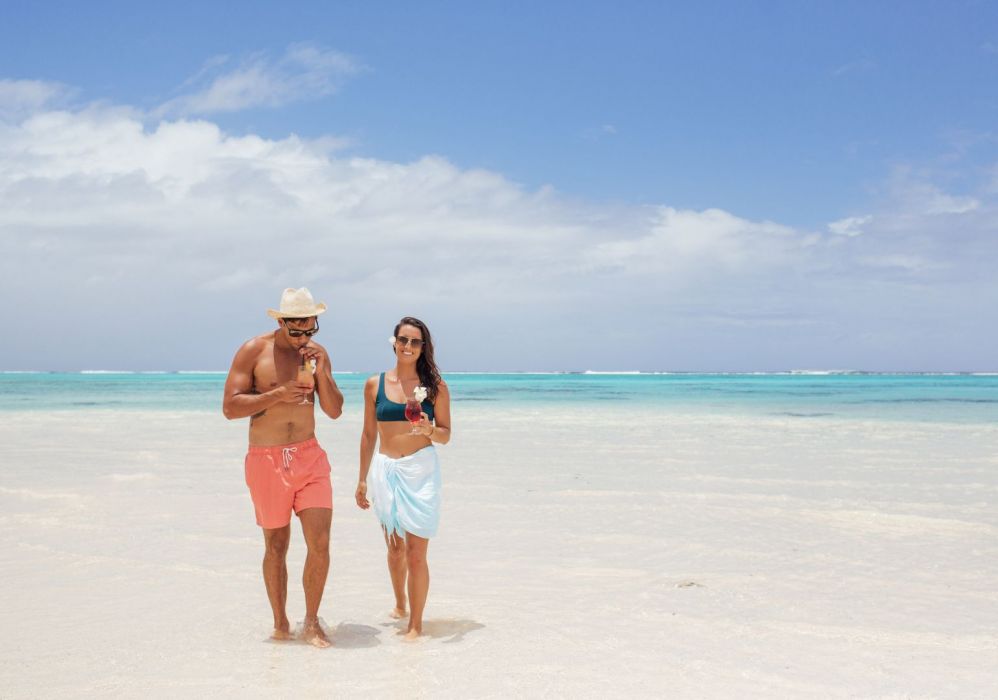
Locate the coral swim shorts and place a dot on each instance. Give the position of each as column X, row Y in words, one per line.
column 282, row 478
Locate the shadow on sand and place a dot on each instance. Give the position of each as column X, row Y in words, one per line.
column 348, row 635
column 450, row 631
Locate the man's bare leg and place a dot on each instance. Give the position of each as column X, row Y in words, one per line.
column 275, row 577
column 315, row 524
column 397, row 570
column 419, row 582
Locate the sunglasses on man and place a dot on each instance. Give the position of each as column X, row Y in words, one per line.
column 296, row 333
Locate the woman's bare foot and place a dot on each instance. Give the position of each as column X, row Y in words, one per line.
column 412, row 635
column 312, row 633
column 398, row 613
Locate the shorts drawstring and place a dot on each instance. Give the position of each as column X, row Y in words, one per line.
column 286, row 453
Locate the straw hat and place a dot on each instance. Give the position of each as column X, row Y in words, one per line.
column 297, row 303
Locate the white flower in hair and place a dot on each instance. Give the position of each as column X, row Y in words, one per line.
column 391, row 340
column 420, row 393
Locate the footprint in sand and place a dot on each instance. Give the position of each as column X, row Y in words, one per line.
column 689, row 584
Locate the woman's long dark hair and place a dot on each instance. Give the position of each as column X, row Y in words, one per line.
column 426, row 366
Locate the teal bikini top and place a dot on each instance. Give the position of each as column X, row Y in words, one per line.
column 389, row 410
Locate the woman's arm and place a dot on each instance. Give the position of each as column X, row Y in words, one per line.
column 439, row 431
column 368, row 440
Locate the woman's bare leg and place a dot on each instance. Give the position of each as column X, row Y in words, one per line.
column 419, row 581
column 397, row 570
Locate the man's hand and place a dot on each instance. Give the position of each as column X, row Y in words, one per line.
column 361, row 496
column 290, row 392
column 317, row 353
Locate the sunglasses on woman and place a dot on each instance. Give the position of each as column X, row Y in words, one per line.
column 403, row 341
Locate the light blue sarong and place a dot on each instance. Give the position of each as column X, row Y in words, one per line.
column 405, row 492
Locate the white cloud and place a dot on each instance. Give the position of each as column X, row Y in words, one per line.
column 937, row 202
column 862, row 65
column 598, row 132
column 850, row 226
column 183, row 227
column 304, row 72
column 21, row 97
column 687, row 242
column 908, row 263
column 916, row 195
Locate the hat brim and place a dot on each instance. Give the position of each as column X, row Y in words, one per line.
column 315, row 311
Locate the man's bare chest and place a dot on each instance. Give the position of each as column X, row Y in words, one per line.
column 272, row 369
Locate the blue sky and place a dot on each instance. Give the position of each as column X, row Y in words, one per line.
column 687, row 186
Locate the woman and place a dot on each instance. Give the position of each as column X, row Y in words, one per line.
column 405, row 473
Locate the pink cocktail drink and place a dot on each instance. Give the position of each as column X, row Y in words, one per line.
column 413, row 413
column 305, row 377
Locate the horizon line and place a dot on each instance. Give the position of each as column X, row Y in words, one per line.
column 588, row 372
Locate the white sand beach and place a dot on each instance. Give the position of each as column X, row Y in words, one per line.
column 580, row 554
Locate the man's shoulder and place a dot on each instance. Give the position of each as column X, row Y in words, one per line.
column 257, row 344
column 260, row 341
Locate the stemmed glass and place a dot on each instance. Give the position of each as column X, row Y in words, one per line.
column 413, row 414
column 305, row 377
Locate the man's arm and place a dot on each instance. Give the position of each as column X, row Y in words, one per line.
column 330, row 396
column 239, row 400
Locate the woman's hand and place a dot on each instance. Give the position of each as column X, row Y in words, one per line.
column 425, row 426
column 361, row 496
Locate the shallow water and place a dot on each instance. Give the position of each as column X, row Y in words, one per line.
column 908, row 397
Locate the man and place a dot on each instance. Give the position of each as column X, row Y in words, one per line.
column 285, row 468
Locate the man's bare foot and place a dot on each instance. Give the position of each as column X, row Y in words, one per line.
column 312, row 633
column 412, row 635
column 398, row 613
column 282, row 631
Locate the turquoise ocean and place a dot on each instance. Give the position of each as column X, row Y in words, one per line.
column 960, row 398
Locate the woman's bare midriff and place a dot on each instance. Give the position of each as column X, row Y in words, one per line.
column 396, row 440
column 283, row 424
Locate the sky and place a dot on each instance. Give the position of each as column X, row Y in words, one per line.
column 655, row 186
